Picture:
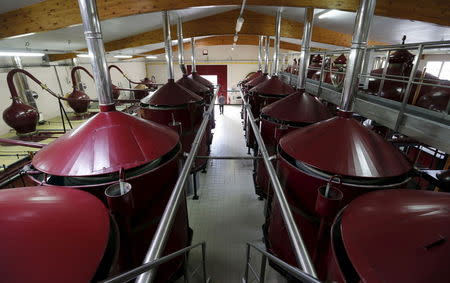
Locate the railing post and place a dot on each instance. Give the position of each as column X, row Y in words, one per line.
column 262, row 272
column 408, row 87
column 247, row 262
column 205, row 279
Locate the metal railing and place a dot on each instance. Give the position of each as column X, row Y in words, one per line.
column 292, row 270
column 131, row 274
column 296, row 239
column 164, row 227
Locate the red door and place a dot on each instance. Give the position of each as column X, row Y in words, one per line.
column 218, row 70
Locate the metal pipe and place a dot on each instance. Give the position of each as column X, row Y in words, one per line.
column 266, row 56
column 194, row 68
column 160, row 237
column 93, row 35
column 304, row 51
column 299, row 274
column 229, row 157
column 300, row 251
column 408, row 87
column 361, row 30
column 21, row 82
column 277, row 43
column 180, row 46
column 22, row 143
column 260, row 52
column 127, row 276
column 168, row 44
column 78, row 82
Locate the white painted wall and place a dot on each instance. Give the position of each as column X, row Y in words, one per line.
column 241, row 61
column 49, row 105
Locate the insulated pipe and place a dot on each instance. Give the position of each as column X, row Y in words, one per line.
column 77, row 75
column 93, row 35
column 22, row 84
column 266, row 56
column 260, row 52
column 277, row 43
column 361, row 30
column 74, row 73
column 168, row 43
column 300, row 251
column 304, row 51
column 165, row 224
column 180, row 46
column 194, row 67
column 120, row 70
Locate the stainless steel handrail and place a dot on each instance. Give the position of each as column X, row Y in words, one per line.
column 300, row 251
column 131, row 274
column 294, row 271
column 159, row 239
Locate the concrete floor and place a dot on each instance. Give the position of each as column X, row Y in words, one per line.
column 228, row 213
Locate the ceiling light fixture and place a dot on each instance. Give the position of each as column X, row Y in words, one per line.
column 328, row 14
column 21, row 54
column 235, row 38
column 239, row 23
column 83, row 55
column 123, row 56
column 20, row 35
column 151, row 57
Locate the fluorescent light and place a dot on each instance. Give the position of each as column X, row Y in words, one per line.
column 239, row 23
column 151, row 57
column 329, row 13
column 235, row 38
column 75, row 25
column 22, row 54
column 20, row 35
column 83, row 55
column 123, row 56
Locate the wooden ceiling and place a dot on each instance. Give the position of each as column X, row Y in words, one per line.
column 55, row 14
column 224, row 24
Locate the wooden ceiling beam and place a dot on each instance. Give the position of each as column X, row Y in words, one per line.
column 224, row 23
column 55, row 14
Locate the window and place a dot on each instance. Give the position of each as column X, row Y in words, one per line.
column 434, row 67
column 445, row 71
column 439, row 69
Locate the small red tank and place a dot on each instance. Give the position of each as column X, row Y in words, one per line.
column 78, row 100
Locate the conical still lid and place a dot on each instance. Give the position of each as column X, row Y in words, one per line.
column 273, row 87
column 259, row 73
column 341, row 60
column 196, row 76
column 256, row 81
column 299, row 107
column 193, row 85
column 401, row 56
column 171, row 94
column 398, row 236
column 106, row 143
column 341, row 145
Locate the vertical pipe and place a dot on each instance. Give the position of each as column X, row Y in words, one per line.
column 304, row 50
column 266, row 56
column 168, row 43
column 260, row 52
column 23, row 89
column 79, row 83
column 262, row 271
column 93, row 35
column 180, row 46
column 205, row 279
column 361, row 30
column 194, row 68
column 277, row 43
column 247, row 262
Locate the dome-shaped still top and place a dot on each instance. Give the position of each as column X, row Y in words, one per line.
column 273, row 87
column 53, row 233
column 194, row 86
column 401, row 56
column 410, row 242
column 342, row 146
column 256, row 81
column 196, row 77
column 300, row 108
column 171, row 94
column 106, row 143
column 340, row 60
